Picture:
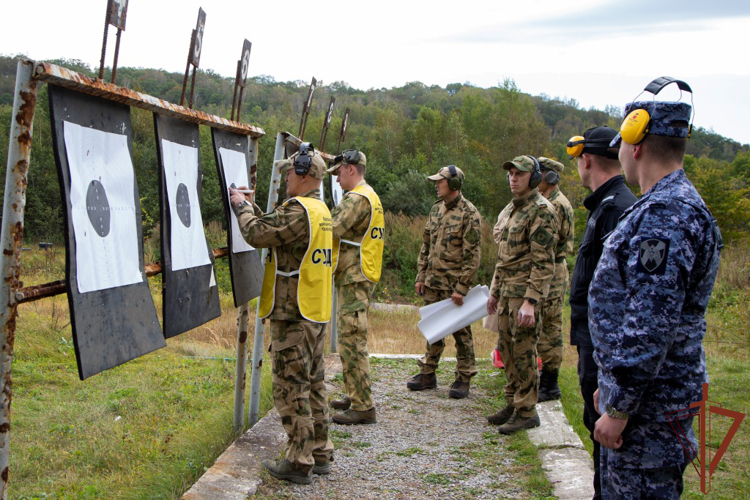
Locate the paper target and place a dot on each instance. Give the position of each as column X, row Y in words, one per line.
column 336, row 192
column 102, row 208
column 187, row 239
column 235, row 173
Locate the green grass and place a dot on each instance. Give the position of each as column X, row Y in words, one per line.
column 144, row 430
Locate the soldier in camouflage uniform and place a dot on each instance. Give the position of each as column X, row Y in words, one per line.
column 351, row 221
column 447, row 266
column 525, row 266
column 647, row 305
column 550, row 346
column 296, row 343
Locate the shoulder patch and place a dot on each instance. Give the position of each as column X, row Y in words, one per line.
column 541, row 236
column 652, row 255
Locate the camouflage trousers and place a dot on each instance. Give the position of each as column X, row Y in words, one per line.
column 466, row 366
column 622, row 483
column 299, row 391
column 354, row 304
column 518, row 351
column 550, row 345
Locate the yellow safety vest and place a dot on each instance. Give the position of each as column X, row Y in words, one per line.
column 315, row 272
column 372, row 242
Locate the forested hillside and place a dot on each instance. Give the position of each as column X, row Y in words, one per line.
column 407, row 133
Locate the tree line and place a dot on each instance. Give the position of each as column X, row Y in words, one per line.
column 407, row 133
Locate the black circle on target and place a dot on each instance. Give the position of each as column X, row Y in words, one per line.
column 183, row 205
column 97, row 208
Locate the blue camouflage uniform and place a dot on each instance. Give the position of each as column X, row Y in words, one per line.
column 647, row 303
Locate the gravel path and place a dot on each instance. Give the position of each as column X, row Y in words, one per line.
column 425, row 445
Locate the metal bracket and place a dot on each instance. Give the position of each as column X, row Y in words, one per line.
column 326, row 124
column 194, row 56
column 306, row 109
column 117, row 13
column 239, row 83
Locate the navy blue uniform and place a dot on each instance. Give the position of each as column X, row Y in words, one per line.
column 605, row 206
column 647, row 305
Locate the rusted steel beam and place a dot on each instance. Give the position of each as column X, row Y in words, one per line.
column 63, row 77
column 291, row 139
column 36, row 292
column 11, row 237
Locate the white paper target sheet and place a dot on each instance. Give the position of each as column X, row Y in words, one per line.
column 103, row 210
column 443, row 318
column 235, row 173
column 187, row 239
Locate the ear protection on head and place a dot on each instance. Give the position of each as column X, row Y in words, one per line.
column 551, row 177
column 577, row 143
column 635, row 126
column 352, row 156
column 454, row 183
column 536, row 174
column 303, row 160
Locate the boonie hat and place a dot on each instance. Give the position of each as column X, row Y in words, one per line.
column 317, row 167
column 445, row 173
column 522, row 163
column 664, row 118
column 550, row 164
column 348, row 157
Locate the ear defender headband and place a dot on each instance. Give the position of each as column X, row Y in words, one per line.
column 576, row 145
column 454, row 183
column 303, row 160
column 635, row 126
column 536, row 174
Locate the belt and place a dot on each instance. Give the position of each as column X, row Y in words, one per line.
column 288, row 274
column 352, row 243
column 559, row 260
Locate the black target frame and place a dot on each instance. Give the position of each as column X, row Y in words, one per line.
column 187, row 301
column 114, row 325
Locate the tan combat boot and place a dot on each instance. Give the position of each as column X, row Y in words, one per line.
column 502, row 416
column 341, row 404
column 350, row 417
column 422, row 381
column 519, row 423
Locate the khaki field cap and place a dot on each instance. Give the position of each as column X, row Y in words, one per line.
column 522, row 163
column 549, row 164
column 348, row 157
column 445, row 173
column 317, row 168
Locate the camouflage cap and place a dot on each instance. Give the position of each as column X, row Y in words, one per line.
column 667, row 118
column 523, row 163
column 317, row 167
column 550, row 164
column 445, row 173
column 346, row 158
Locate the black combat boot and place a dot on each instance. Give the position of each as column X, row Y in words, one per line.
column 502, row 416
column 548, row 387
column 422, row 381
column 459, row 390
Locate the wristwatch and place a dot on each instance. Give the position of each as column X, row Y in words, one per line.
column 615, row 413
column 531, row 301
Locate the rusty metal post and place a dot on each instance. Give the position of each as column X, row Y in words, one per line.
column 239, row 377
column 117, row 54
column 257, row 363
column 104, row 43
column 19, row 153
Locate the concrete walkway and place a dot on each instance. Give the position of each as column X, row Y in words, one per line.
column 236, row 473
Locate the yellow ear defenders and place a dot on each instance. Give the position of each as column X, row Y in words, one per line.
column 454, row 183
column 577, row 143
column 635, row 126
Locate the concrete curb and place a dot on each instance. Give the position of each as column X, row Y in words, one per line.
column 567, row 464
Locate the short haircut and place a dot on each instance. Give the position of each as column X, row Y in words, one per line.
column 667, row 149
column 360, row 169
column 607, row 164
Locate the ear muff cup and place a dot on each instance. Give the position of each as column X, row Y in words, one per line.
column 575, row 146
column 536, row 174
column 551, row 177
column 454, row 183
column 635, row 126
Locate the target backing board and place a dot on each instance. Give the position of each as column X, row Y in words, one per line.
column 233, row 161
column 112, row 314
column 190, row 294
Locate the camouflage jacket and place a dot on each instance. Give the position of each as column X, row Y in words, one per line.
column 286, row 229
column 647, row 305
column 351, row 219
column 565, row 242
column 451, row 246
column 526, row 249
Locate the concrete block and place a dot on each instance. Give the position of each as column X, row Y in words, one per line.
column 571, row 472
column 555, row 431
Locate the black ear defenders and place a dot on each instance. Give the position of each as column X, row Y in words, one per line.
column 551, row 177
column 454, row 183
column 303, row 160
column 352, row 156
column 536, row 174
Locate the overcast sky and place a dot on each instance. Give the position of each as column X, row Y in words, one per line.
column 598, row 52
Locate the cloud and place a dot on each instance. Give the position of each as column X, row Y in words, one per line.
column 608, row 19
